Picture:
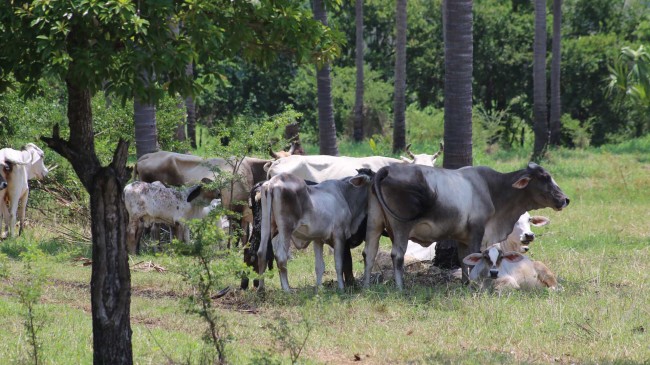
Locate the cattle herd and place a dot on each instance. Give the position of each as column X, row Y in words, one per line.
column 338, row 201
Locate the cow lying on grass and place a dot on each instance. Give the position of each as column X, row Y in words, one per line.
column 149, row 203
column 494, row 268
column 331, row 212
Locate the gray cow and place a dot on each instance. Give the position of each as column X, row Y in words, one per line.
column 472, row 205
column 330, row 212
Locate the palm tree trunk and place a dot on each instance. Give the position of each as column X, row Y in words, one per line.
column 556, row 106
column 110, row 283
column 540, row 113
column 326, row 126
column 191, row 111
column 358, row 100
column 458, row 102
column 399, row 105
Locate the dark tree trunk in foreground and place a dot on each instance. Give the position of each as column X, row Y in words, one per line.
column 110, row 285
column 399, row 103
column 540, row 112
column 358, row 99
column 556, row 105
column 458, row 102
column 326, row 126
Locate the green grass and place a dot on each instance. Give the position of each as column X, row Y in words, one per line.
column 599, row 247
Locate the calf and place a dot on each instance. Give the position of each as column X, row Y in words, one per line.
column 521, row 236
column 154, row 203
column 19, row 167
column 330, row 212
column 494, row 268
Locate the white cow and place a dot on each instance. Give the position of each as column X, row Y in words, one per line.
column 494, row 268
column 518, row 240
column 318, row 168
column 150, row 203
column 18, row 168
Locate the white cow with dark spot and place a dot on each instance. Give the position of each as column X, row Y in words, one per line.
column 494, row 268
column 150, row 203
column 17, row 168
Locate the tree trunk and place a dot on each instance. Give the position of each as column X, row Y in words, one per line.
column 179, row 134
column 326, row 126
column 144, row 120
column 399, row 104
column 556, row 106
column 540, row 113
column 110, row 285
column 191, row 111
column 458, row 102
column 358, row 100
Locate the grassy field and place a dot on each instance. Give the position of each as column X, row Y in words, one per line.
column 599, row 247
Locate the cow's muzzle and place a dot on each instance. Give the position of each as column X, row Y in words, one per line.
column 562, row 204
column 3, row 185
column 494, row 273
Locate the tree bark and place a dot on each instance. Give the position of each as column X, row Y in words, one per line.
column 556, row 105
column 191, row 111
column 540, row 112
column 358, row 100
column 110, row 281
column 144, row 120
column 326, row 126
column 458, row 102
column 399, row 104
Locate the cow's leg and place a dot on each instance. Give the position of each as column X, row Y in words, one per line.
column 155, row 232
column 373, row 232
column 339, row 247
column 319, row 263
column 474, row 246
column 400, row 242
column 4, row 214
column 348, row 274
column 21, row 213
column 281, row 249
column 13, row 210
column 132, row 235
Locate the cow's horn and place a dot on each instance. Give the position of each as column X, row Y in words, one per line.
column 408, row 151
column 272, row 153
column 292, row 148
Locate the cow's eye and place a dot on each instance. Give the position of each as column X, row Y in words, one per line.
column 7, row 168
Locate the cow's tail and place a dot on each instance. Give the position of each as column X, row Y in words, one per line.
column 267, row 209
column 417, row 199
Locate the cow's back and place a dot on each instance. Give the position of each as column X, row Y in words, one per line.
column 319, row 168
column 175, row 168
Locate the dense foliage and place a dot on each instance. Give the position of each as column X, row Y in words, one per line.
column 594, row 32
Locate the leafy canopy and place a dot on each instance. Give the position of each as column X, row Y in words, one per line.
column 101, row 44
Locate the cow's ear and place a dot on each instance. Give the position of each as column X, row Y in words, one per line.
column 473, row 259
column 194, row 193
column 522, row 182
column 539, row 220
column 513, row 256
column 360, row 180
column 206, row 180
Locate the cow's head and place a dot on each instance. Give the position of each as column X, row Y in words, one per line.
column 491, row 259
column 423, row 158
column 37, row 170
column 543, row 190
column 363, row 177
column 204, row 195
column 522, row 235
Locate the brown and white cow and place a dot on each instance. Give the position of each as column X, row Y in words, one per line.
column 499, row 270
column 149, row 203
column 330, row 212
column 18, row 168
column 179, row 169
column 472, row 205
column 522, row 235
column 318, row 168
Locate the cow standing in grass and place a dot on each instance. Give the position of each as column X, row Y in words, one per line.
column 472, row 205
column 330, row 212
